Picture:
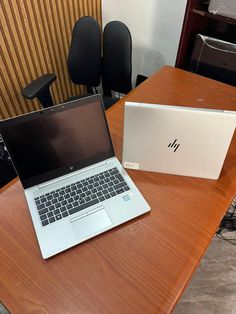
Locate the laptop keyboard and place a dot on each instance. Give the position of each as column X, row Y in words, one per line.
column 77, row 196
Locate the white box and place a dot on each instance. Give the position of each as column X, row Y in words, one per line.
column 223, row 7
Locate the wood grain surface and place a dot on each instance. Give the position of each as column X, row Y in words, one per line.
column 142, row 266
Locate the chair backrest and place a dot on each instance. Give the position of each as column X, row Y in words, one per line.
column 117, row 58
column 84, row 59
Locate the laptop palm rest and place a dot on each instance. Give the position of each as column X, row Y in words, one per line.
column 90, row 223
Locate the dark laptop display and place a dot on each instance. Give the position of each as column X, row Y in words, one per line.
column 57, row 140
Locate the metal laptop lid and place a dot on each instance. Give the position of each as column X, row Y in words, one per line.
column 58, row 140
column 176, row 140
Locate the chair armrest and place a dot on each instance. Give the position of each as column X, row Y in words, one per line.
column 36, row 87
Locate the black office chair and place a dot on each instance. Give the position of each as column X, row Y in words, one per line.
column 84, row 59
column 84, row 62
column 116, row 61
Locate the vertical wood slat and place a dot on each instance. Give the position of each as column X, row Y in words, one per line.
column 35, row 39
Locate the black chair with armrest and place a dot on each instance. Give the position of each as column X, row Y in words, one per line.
column 84, row 63
column 86, row 66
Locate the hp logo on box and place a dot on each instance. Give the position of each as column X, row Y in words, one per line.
column 174, row 145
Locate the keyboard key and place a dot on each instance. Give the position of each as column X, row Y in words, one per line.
column 43, row 199
column 113, row 193
column 101, row 198
column 126, row 188
column 69, row 206
column 115, row 171
column 43, row 217
column 107, row 196
column 58, row 217
column 83, row 206
column 45, row 222
column 37, row 202
column 119, row 177
column 62, row 209
column 50, row 214
column 52, row 219
column 120, row 185
column 65, row 214
column 87, row 199
column 51, row 207
column 48, row 203
column 56, row 211
column 120, row 191
column 43, row 211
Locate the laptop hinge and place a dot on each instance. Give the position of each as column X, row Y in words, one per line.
column 69, row 175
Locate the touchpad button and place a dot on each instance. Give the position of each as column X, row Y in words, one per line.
column 91, row 224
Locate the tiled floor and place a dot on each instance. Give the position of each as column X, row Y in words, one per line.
column 213, row 286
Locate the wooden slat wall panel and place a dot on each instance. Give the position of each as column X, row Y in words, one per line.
column 35, row 38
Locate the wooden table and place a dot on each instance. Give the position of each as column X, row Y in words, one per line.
column 142, row 266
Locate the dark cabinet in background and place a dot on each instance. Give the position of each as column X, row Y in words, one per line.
column 198, row 20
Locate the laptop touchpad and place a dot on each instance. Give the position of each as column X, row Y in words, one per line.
column 91, row 224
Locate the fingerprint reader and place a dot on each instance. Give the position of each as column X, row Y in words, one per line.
column 126, row 198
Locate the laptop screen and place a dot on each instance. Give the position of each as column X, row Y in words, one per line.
column 58, row 140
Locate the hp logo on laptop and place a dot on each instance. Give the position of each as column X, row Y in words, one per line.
column 174, row 145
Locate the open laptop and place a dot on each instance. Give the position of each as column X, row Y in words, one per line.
column 74, row 185
column 176, row 140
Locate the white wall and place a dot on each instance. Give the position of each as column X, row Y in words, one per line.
column 155, row 26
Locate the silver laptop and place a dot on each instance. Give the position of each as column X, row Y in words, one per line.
column 176, row 140
column 74, row 185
